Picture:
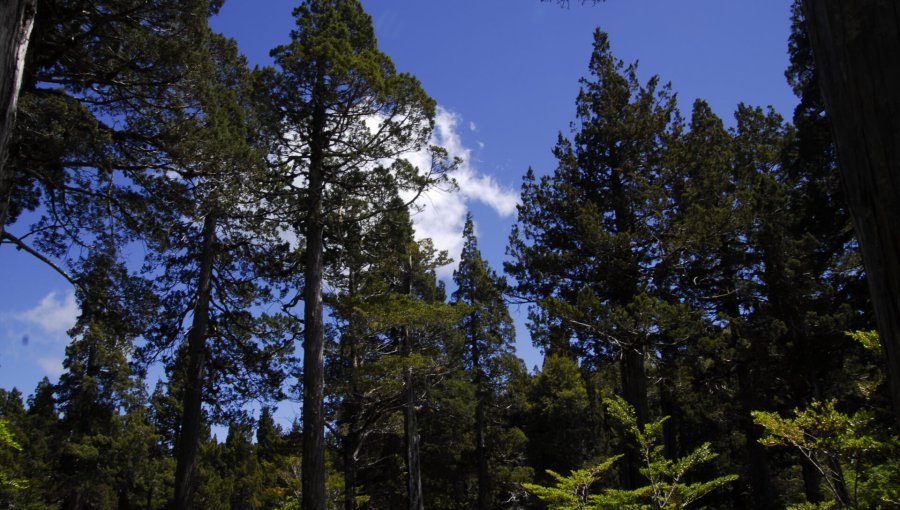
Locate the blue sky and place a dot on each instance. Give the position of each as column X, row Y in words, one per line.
column 505, row 74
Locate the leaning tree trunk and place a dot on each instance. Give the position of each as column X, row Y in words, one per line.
column 856, row 45
column 191, row 420
column 16, row 21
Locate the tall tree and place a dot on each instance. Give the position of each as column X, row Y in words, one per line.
column 211, row 231
column 89, row 81
column 344, row 110
column 364, row 374
column 15, row 32
column 489, row 332
column 106, row 437
column 855, row 44
column 585, row 243
column 396, row 331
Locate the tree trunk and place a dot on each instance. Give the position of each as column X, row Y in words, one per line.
column 411, row 422
column 481, row 453
column 762, row 495
column 812, row 481
column 413, row 460
column 351, row 468
column 313, row 457
column 856, row 45
column 634, row 391
column 192, row 399
column 16, row 22
column 312, row 462
column 351, row 407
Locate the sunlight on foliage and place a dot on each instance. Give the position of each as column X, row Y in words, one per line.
column 8, row 484
column 668, row 487
column 856, row 457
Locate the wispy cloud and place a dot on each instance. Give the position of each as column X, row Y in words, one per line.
column 52, row 367
column 54, row 314
column 34, row 340
column 444, row 213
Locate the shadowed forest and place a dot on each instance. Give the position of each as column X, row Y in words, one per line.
column 239, row 237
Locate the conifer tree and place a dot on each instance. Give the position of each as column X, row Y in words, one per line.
column 210, row 241
column 90, row 81
column 344, row 109
column 557, row 394
column 106, row 438
column 586, row 241
column 488, row 331
column 393, row 324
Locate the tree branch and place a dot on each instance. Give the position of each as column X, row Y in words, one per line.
column 22, row 246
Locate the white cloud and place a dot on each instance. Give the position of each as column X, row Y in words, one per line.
column 52, row 367
column 34, row 340
column 444, row 213
column 53, row 314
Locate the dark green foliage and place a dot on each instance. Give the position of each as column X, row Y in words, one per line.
column 557, row 395
column 95, row 77
column 586, row 247
column 488, row 333
column 107, row 455
column 682, row 275
column 334, row 83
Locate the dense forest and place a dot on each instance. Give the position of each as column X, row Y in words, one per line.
column 697, row 291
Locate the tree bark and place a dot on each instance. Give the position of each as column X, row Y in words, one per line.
column 351, row 466
column 192, row 399
column 762, row 494
column 481, row 452
column 414, row 496
column 856, row 45
column 413, row 460
column 16, row 22
column 634, row 391
column 313, row 455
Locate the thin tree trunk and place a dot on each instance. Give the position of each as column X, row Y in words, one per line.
column 16, row 22
column 351, row 405
column 812, row 481
column 192, row 399
column 856, row 45
column 351, row 467
column 415, row 499
column 413, row 460
column 481, row 454
column 762, row 494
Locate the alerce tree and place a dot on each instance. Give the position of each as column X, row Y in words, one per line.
column 347, row 118
column 586, row 242
column 855, row 46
